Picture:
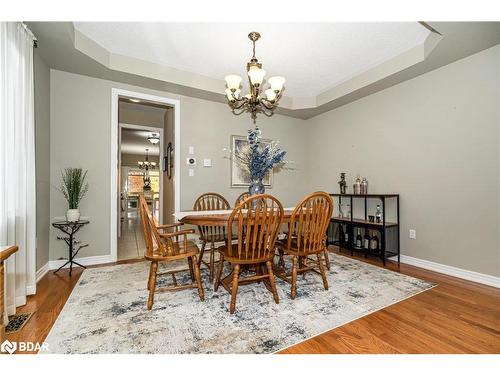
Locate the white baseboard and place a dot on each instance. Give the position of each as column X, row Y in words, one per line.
column 451, row 271
column 42, row 272
column 30, row 290
column 85, row 261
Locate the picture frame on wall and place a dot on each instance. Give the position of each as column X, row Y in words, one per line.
column 237, row 177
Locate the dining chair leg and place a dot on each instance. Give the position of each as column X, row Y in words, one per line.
column 327, row 258
column 212, row 264
column 202, row 251
column 197, row 275
column 150, row 275
column 191, row 268
column 219, row 272
column 272, row 281
column 293, row 293
column 152, row 284
column 322, row 270
column 234, row 289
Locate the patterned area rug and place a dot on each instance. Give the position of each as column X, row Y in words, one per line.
column 106, row 312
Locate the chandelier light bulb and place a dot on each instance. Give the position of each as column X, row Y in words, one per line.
column 233, row 81
column 256, row 75
column 270, row 95
column 276, row 83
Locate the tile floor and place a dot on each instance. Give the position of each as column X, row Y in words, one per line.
column 131, row 242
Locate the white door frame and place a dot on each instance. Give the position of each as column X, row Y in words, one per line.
column 115, row 95
column 151, row 129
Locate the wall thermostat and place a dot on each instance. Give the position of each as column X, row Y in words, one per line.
column 191, row 161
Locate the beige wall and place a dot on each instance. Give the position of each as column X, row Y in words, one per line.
column 42, row 146
column 434, row 140
column 80, row 137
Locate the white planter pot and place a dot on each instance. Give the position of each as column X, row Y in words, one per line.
column 73, row 215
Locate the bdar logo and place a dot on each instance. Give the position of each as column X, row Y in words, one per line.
column 8, row 347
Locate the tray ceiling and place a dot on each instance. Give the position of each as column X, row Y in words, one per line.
column 314, row 57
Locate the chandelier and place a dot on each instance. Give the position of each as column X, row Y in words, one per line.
column 258, row 99
column 146, row 164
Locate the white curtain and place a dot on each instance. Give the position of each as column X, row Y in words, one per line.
column 17, row 161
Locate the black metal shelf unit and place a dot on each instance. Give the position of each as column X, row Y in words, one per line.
column 351, row 223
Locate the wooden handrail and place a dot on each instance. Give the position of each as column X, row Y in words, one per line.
column 5, row 252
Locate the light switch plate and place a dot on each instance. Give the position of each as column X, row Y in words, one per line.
column 191, row 150
column 207, row 162
column 191, row 172
column 413, row 234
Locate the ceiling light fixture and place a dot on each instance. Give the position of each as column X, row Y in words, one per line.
column 253, row 102
column 154, row 138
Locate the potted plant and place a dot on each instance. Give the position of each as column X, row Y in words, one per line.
column 74, row 188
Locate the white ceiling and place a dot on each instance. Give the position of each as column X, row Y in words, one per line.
column 313, row 57
column 136, row 142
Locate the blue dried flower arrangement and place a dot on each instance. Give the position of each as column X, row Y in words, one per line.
column 257, row 159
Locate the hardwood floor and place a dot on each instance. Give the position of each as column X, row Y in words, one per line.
column 456, row 316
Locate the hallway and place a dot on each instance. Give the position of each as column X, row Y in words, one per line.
column 131, row 242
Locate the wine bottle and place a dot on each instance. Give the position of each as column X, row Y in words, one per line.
column 374, row 243
column 359, row 240
column 341, row 235
column 378, row 214
column 366, row 240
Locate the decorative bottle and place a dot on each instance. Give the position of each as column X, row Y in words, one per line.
column 357, row 185
column 364, row 186
column 366, row 240
column 359, row 240
column 341, row 235
column 378, row 214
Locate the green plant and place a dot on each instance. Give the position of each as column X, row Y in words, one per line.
column 73, row 186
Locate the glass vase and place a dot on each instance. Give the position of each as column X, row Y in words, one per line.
column 256, row 187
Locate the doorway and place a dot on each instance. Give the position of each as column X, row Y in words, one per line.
column 140, row 171
column 142, row 128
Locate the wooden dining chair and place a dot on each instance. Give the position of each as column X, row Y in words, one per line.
column 241, row 198
column 256, row 231
column 306, row 237
column 168, row 247
column 210, row 234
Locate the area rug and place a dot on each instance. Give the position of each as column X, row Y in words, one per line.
column 106, row 312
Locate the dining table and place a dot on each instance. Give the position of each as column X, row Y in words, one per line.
column 217, row 218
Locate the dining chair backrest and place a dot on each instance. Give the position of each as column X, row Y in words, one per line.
column 211, row 202
column 241, row 198
column 309, row 222
column 154, row 244
column 256, row 229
